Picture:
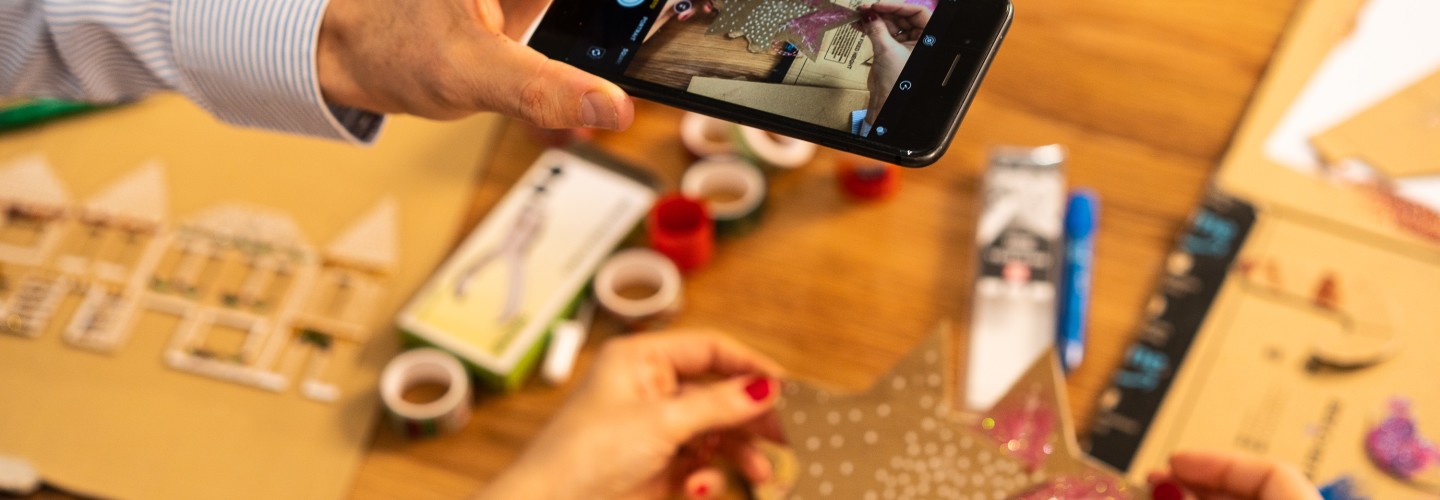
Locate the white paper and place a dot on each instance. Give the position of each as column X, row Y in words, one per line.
column 1394, row 45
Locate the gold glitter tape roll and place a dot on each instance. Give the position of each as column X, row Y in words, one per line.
column 641, row 287
column 448, row 413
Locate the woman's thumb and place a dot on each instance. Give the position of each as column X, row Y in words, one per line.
column 719, row 405
column 880, row 36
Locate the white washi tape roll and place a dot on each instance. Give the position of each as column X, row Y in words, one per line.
column 733, row 191
column 639, row 286
column 774, row 150
column 705, row 136
column 446, row 414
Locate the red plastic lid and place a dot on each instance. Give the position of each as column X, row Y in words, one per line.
column 681, row 229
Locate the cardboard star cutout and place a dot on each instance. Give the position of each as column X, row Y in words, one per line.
column 903, row 438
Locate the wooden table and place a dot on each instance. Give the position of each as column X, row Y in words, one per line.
column 1144, row 94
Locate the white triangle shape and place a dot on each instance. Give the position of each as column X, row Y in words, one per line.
column 141, row 196
column 371, row 240
column 29, row 180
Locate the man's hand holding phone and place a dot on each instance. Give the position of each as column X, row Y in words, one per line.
column 737, row 62
column 446, row 59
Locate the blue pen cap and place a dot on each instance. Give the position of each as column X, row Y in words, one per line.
column 1081, row 213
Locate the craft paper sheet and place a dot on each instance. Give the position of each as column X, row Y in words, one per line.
column 1327, row 268
column 1394, row 44
column 124, row 424
column 1250, row 382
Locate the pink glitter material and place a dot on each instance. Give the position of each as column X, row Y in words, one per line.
column 1025, row 433
column 811, row 28
column 1411, row 216
column 1397, row 447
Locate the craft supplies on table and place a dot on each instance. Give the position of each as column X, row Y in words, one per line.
column 1018, row 239
column 140, row 394
column 640, row 287
column 704, row 136
column 33, row 112
column 448, row 412
column 566, row 339
column 680, row 228
column 1082, row 213
column 733, row 190
column 1297, row 305
column 1290, row 336
column 773, row 150
column 866, row 179
column 492, row 303
column 905, row 436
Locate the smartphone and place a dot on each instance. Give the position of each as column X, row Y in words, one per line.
column 818, row 70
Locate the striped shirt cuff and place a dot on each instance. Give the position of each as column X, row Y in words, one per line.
column 252, row 63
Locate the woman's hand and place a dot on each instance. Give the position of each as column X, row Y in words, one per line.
column 893, row 29
column 446, row 59
column 1213, row 475
column 647, row 421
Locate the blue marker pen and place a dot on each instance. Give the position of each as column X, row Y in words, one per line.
column 1082, row 214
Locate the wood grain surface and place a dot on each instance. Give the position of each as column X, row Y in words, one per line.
column 681, row 50
column 1144, row 94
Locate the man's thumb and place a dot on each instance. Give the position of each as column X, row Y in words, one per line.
column 552, row 94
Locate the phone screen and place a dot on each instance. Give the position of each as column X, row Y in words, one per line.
column 889, row 79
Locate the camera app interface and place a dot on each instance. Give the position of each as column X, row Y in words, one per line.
column 830, row 63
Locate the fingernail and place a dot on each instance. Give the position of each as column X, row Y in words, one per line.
column 702, row 490
column 870, row 17
column 1167, row 490
column 597, row 110
column 758, row 389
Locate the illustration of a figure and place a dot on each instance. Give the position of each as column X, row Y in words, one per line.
column 513, row 248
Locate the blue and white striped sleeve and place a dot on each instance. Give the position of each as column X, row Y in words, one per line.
column 249, row 62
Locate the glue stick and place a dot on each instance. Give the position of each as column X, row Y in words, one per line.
column 1018, row 241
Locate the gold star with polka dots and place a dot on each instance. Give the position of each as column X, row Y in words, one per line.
column 903, row 438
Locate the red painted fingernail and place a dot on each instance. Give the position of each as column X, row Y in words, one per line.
column 870, row 17
column 758, row 389
column 1167, row 490
column 702, row 490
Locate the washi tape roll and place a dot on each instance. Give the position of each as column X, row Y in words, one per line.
column 867, row 179
column 733, row 191
column 445, row 414
column 773, row 150
column 705, row 136
column 680, row 228
column 640, row 287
